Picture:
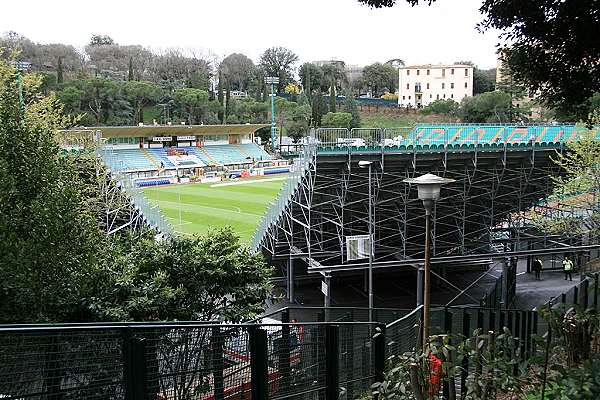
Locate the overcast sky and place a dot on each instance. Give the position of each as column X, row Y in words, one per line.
column 314, row 29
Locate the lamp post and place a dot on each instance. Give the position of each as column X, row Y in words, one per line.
column 428, row 186
column 272, row 80
column 367, row 164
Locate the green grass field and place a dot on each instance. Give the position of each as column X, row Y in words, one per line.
column 206, row 205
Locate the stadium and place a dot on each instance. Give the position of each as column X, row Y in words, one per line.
column 309, row 216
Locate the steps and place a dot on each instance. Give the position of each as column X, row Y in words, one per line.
column 150, row 157
column 207, row 154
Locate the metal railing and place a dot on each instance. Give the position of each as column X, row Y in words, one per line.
column 301, row 164
column 185, row 361
column 151, row 212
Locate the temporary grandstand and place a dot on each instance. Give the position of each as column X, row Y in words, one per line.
column 500, row 172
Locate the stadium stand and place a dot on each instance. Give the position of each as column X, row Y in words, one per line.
column 127, row 159
column 136, row 159
column 488, row 134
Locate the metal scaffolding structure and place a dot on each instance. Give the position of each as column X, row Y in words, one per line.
column 118, row 207
column 483, row 215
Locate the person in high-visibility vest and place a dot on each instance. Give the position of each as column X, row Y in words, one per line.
column 568, row 268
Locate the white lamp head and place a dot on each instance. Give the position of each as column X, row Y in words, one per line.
column 364, row 164
column 428, row 186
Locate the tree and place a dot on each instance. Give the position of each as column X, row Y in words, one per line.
column 548, row 48
column 191, row 104
column 487, row 107
column 238, row 69
column 101, row 40
column 351, row 108
column 311, row 77
column 203, row 278
column 51, row 241
column 336, row 120
column 379, row 78
column 513, row 88
column 140, row 94
column 319, row 108
column 59, row 71
column 221, row 98
column 130, row 70
column 390, row 3
column 279, row 62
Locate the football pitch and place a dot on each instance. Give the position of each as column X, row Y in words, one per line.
column 197, row 207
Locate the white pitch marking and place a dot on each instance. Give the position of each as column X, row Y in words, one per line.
column 248, row 182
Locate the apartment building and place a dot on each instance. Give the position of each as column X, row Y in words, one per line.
column 420, row 85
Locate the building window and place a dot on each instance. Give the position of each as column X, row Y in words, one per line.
column 444, row 95
column 427, row 72
column 407, row 85
column 409, row 97
column 430, row 96
column 418, row 72
column 443, row 72
column 408, row 72
column 437, row 96
column 465, row 85
column 452, row 71
column 466, row 72
column 443, row 85
column 452, row 96
column 403, row 97
column 427, row 85
column 452, row 85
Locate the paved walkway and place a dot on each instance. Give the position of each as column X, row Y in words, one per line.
column 532, row 293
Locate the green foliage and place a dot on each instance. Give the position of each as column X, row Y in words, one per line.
column 351, row 107
column 380, row 78
column 239, row 70
column 193, row 104
column 493, row 107
column 492, row 359
column 311, row 77
column 579, row 185
column 279, row 62
column 212, row 277
column 447, row 107
column 140, row 94
column 547, row 41
column 336, row 120
column 59, row 71
column 484, row 80
column 247, row 110
column 101, row 40
column 130, row 70
column 319, row 108
column 51, row 242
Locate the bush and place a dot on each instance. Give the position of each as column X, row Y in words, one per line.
column 389, row 96
column 336, row 120
column 447, row 107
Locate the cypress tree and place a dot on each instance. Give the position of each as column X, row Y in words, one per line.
column 350, row 107
column 130, row 75
column 308, row 89
column 220, row 96
column 59, row 71
column 332, row 98
column 227, row 99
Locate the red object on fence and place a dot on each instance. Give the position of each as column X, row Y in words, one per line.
column 435, row 377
